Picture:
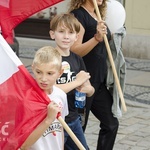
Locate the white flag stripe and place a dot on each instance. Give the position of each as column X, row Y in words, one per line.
column 4, row 3
column 9, row 61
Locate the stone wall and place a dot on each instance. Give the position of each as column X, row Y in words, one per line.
column 136, row 46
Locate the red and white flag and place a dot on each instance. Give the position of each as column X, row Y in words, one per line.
column 23, row 105
column 13, row 12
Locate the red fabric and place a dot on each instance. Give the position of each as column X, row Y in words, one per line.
column 14, row 12
column 23, row 105
column 6, row 30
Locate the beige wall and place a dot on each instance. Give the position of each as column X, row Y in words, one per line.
column 137, row 41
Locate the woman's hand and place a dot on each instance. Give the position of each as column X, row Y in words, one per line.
column 101, row 30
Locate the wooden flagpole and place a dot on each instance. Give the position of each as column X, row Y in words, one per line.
column 72, row 135
column 111, row 60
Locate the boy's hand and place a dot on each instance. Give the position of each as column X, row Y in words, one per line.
column 87, row 88
column 84, row 88
column 52, row 110
column 82, row 77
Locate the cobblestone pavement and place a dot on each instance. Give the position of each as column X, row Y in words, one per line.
column 134, row 129
column 139, row 89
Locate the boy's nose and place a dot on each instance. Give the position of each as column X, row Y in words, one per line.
column 43, row 78
column 66, row 35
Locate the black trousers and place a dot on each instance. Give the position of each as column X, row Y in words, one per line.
column 100, row 105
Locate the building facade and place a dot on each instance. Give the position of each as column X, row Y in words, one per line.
column 136, row 44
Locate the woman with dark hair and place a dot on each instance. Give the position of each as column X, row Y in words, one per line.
column 91, row 46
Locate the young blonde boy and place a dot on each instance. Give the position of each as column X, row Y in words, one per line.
column 48, row 135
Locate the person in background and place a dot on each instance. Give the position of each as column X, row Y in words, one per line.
column 91, row 46
column 48, row 135
column 64, row 29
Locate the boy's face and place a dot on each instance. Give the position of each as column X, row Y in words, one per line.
column 64, row 37
column 46, row 75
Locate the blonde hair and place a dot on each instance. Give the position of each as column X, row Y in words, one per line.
column 75, row 4
column 65, row 19
column 48, row 54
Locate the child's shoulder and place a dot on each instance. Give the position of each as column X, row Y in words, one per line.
column 74, row 55
column 58, row 94
column 58, row 90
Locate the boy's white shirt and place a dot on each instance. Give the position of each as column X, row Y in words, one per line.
column 53, row 137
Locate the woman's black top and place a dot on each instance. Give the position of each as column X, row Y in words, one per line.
column 95, row 60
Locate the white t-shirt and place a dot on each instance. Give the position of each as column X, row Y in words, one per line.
column 52, row 138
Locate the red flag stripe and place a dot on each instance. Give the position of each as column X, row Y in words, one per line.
column 23, row 104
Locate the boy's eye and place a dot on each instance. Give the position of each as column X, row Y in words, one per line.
column 38, row 72
column 61, row 30
column 50, row 73
column 71, row 31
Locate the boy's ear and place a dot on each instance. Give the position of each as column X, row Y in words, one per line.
column 51, row 33
column 32, row 67
column 77, row 36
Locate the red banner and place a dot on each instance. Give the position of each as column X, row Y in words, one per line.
column 13, row 12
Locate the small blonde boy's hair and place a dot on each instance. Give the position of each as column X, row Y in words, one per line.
column 65, row 19
column 48, row 54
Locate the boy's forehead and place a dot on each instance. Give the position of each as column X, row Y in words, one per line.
column 62, row 24
column 65, row 24
column 45, row 66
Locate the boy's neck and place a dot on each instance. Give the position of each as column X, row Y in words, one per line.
column 63, row 52
column 49, row 91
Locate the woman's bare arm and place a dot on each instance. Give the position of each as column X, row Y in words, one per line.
column 83, row 48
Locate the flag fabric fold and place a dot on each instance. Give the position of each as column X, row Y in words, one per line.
column 23, row 105
column 13, row 12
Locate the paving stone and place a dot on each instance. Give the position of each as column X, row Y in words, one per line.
column 134, row 138
column 128, row 142
column 144, row 143
column 121, row 147
column 138, row 148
